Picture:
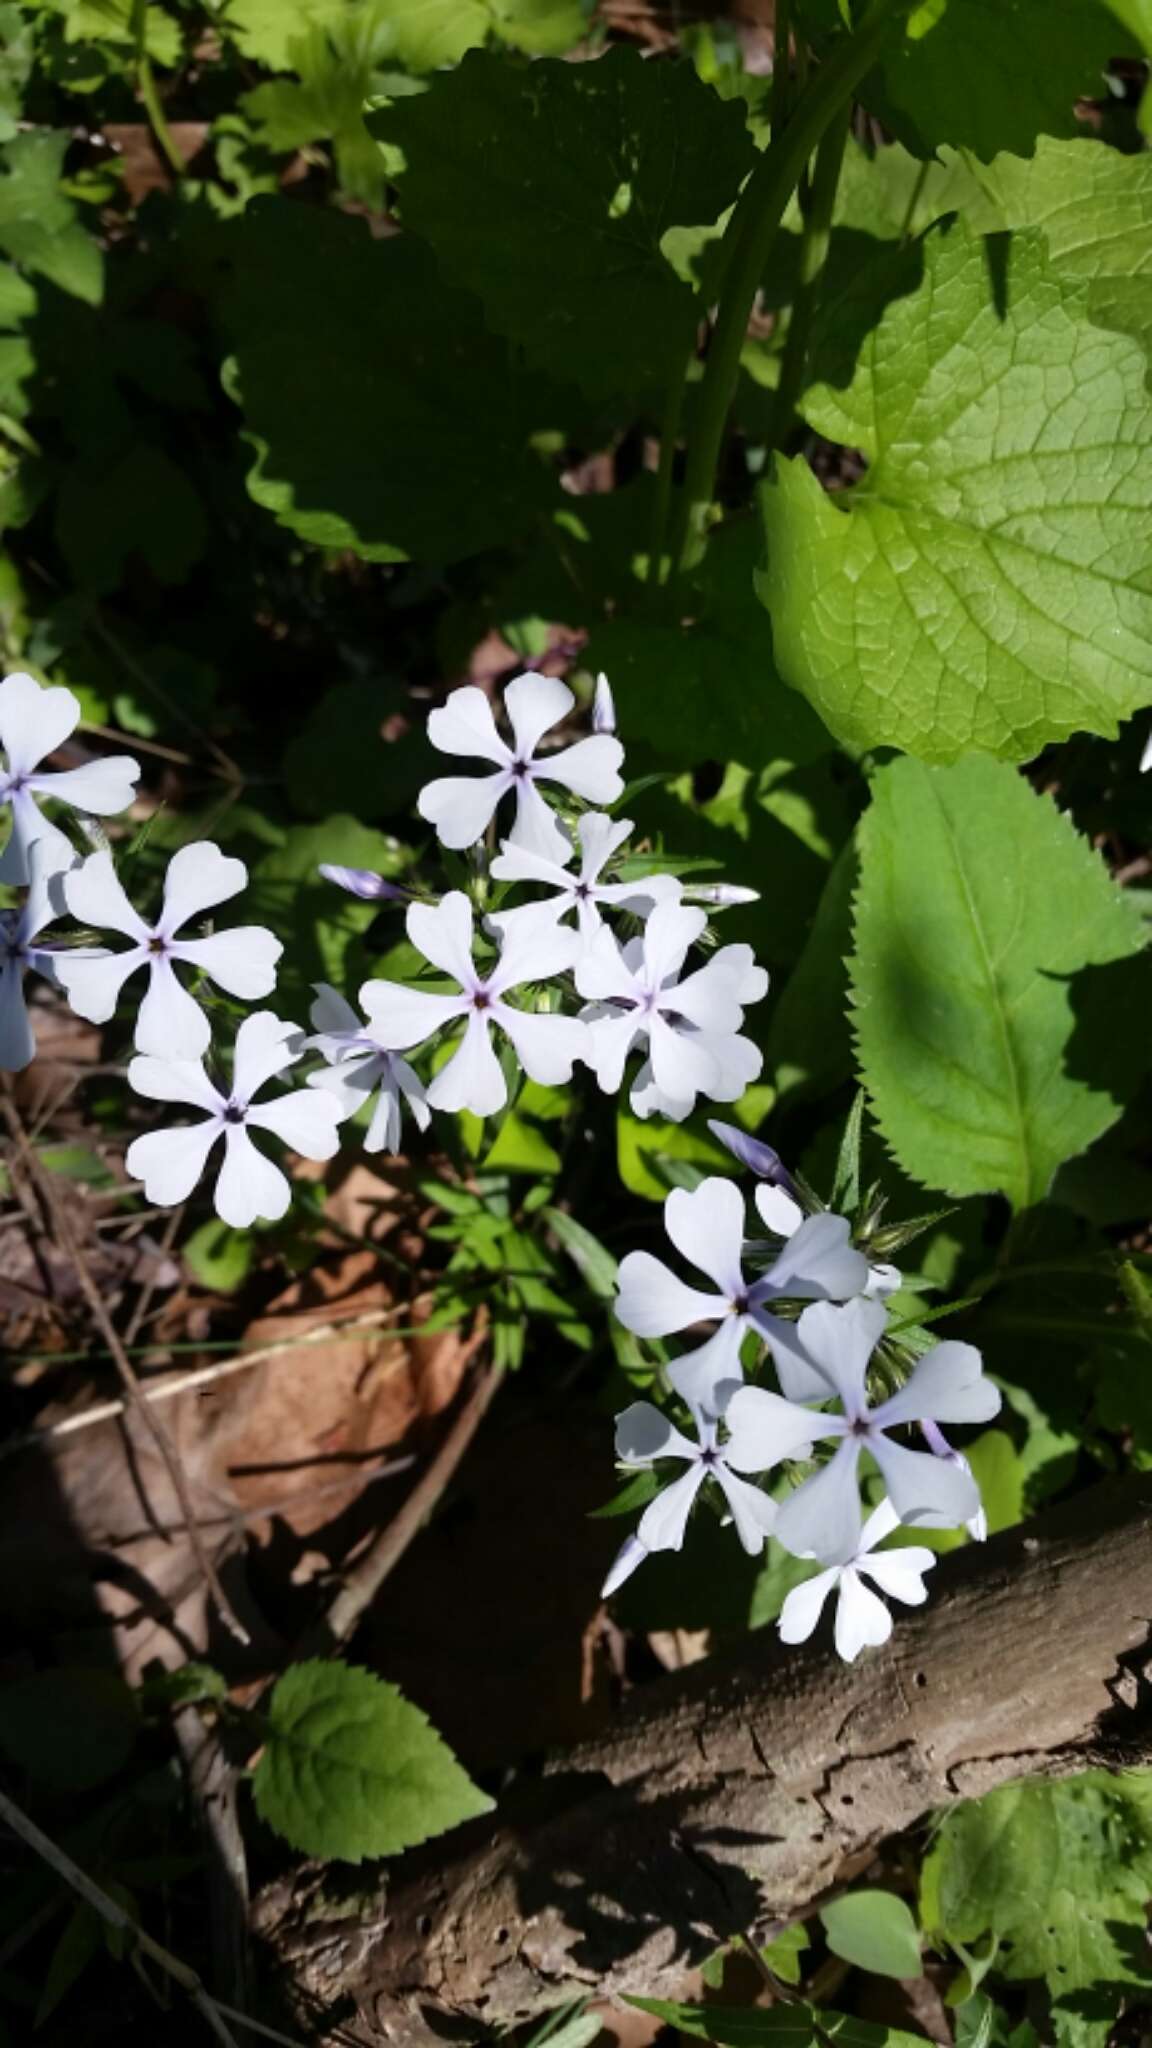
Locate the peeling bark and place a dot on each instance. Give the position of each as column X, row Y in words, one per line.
column 736, row 1793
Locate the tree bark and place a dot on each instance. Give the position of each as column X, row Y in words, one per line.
column 733, row 1795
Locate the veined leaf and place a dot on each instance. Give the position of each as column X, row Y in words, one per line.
column 992, row 1035
column 990, row 586
column 875, row 1930
column 351, row 1769
column 546, row 191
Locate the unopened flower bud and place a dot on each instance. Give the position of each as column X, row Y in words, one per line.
column 366, row 883
column 759, row 1158
column 603, row 706
column 719, row 895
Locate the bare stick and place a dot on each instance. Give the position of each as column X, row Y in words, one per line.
column 70, row 1243
column 365, row 1579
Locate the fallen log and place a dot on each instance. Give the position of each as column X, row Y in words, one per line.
column 734, row 1794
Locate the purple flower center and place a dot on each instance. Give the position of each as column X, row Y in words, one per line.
column 235, row 1112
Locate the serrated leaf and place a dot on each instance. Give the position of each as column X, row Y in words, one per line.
column 546, row 191
column 351, row 1769
column 266, row 29
column 875, row 1930
column 992, row 1039
column 1060, row 1872
column 385, row 419
column 988, row 586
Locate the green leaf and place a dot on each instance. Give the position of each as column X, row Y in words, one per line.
column 318, row 922
column 265, row 30
column 985, row 588
column 141, row 506
column 351, row 1769
column 808, row 1046
column 642, row 1147
column 780, row 2026
column 547, row 190
column 338, row 71
column 41, row 1716
column 39, row 228
column 113, row 21
column 874, row 1930
column 988, row 75
column 384, row 418
column 339, row 758
column 593, row 1261
column 1060, row 1872
column 992, row 1019
column 219, row 1257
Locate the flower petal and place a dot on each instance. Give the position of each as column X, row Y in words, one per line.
column 472, row 1078
column 17, row 1042
column 669, row 932
column 265, row 1045
column 708, row 1000
column 249, row 1186
column 534, row 953
column 332, row 1013
column 547, row 1047
column 611, row 1039
column 652, row 1302
column 602, row 971
column 45, row 899
column 199, row 876
column 95, row 896
column 804, row 1606
column 822, row 1518
column 170, row 1162
column 683, row 1065
column 748, row 981
column 242, row 960
column 665, row 1519
column 932, row 1491
column 840, row 1342
column 763, row 1429
column 590, row 769
column 753, row 1512
column 601, row 837
column 461, row 807
column 536, row 826
column 534, row 704
column 92, row 979
column 350, row 1082
column 708, row 1376
column 165, row 1080
column 519, row 864
column 307, row 1121
column 443, row 933
column 706, row 1225
column 105, row 786
column 628, row 1558
column 798, row 1377
column 465, row 725
column 737, row 1063
column 862, row 1621
column 400, row 1016
column 30, row 828
column 413, row 1090
column 948, row 1385
column 170, row 1022
column 643, row 1433
column 900, row 1573
column 818, row 1259
column 778, row 1212
column 880, row 1524
column 34, row 720
column 385, row 1123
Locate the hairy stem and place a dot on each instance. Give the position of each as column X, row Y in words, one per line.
column 813, row 255
column 749, row 235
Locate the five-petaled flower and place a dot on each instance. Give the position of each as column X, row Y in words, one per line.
column 707, row 1226
column 691, row 1027
column 19, row 931
column 546, row 1046
column 862, row 1620
column 460, row 807
column 34, row 721
column 248, row 1186
column 580, row 889
column 359, row 1068
column 831, row 1361
column 169, row 1022
column 644, row 1434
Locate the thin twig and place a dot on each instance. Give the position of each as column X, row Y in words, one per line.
column 70, row 1243
column 144, row 1299
column 108, row 1910
column 364, row 1580
column 207, row 1375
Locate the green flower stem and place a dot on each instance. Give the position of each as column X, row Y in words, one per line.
column 669, row 435
column 750, row 234
column 813, row 255
column 781, row 68
column 146, row 87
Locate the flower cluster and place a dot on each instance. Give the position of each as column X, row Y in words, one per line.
column 822, row 1358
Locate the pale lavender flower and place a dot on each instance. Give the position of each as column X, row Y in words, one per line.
column 359, row 1068
column 34, row 721
column 862, row 1620
column 643, row 1435
column 579, row 889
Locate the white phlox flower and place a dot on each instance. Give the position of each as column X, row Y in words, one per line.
column 19, row 931
column 643, row 1434
column 707, row 1226
column 579, row 889
column 977, row 1524
column 831, row 1361
column 460, row 807
column 359, row 1068
column 169, row 1022
column 782, row 1214
column 862, row 1620
column 171, row 1161
column 691, row 1027
column 547, row 1047
column 34, row 721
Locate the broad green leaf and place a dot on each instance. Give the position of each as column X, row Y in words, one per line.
column 113, row 21
column 385, row 419
column 989, row 75
column 780, row 2026
column 338, row 70
column 993, row 980
column 319, row 923
column 351, row 1769
column 546, row 190
column 643, row 1147
column 219, row 1257
column 39, row 227
column 988, row 586
column 875, row 1930
column 1060, row 1872
column 432, row 33
column 266, row 29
